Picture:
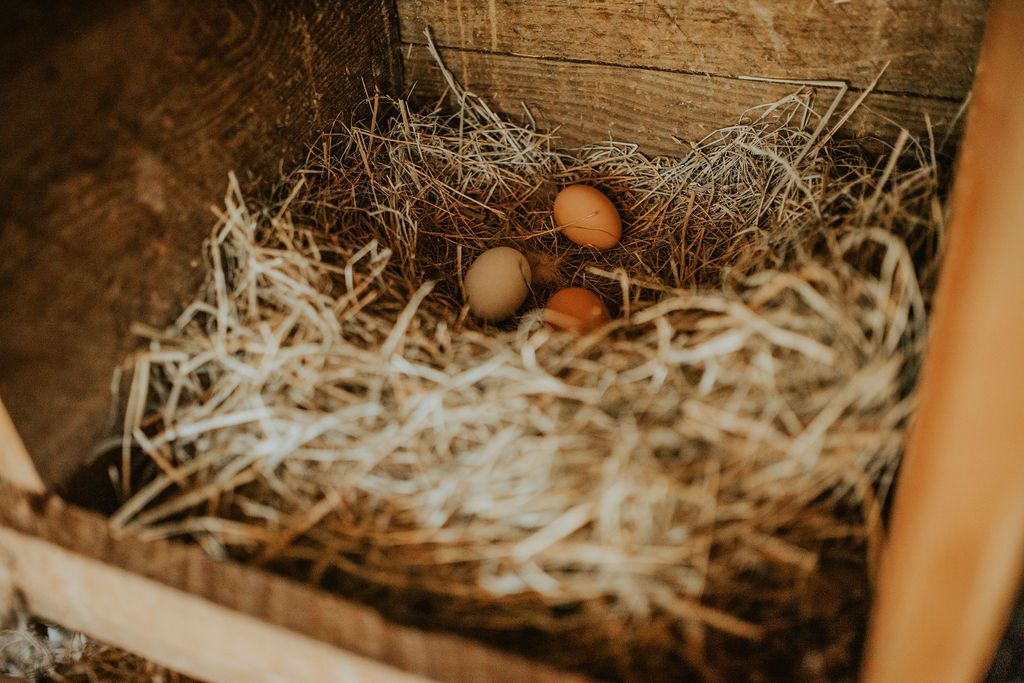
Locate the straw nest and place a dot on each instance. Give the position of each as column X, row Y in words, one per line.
column 698, row 485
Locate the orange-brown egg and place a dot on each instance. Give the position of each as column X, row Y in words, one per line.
column 576, row 309
column 587, row 217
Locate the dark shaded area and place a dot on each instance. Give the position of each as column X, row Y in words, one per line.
column 1008, row 665
column 121, row 123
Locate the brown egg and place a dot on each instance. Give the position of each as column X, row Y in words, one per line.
column 587, row 217
column 576, row 309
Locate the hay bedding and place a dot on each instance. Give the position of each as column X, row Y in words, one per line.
column 697, row 486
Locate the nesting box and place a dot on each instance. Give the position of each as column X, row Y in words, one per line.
column 120, row 126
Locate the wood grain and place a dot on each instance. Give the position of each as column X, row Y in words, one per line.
column 657, row 109
column 116, row 139
column 167, row 572
column 172, row 628
column 932, row 44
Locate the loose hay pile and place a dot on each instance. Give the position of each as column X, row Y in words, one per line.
column 699, row 484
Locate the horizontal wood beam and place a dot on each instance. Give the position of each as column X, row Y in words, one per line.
column 931, row 46
column 175, row 629
column 656, row 109
column 156, row 599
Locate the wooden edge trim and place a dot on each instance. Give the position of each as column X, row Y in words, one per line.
column 157, row 597
column 180, row 631
column 16, row 465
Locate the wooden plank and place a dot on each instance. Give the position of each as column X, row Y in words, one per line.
column 955, row 557
column 590, row 102
column 177, row 630
column 242, row 595
column 15, row 464
column 116, row 140
column 932, row 46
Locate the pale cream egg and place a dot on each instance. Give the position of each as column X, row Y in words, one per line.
column 497, row 284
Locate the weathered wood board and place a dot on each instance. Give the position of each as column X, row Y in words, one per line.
column 654, row 73
column 659, row 110
column 189, row 634
column 932, row 45
column 120, row 124
column 73, row 572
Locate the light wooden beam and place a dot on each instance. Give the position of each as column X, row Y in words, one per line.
column 175, row 629
column 174, row 604
column 16, row 465
column 955, row 556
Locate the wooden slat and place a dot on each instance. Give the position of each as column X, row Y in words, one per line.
column 16, row 467
column 932, row 44
column 955, row 557
column 97, row 594
column 117, row 136
column 589, row 102
column 177, row 630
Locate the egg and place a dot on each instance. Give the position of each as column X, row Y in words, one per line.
column 497, row 284
column 587, row 217
column 576, row 309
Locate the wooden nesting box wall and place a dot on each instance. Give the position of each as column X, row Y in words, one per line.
column 121, row 123
column 658, row 73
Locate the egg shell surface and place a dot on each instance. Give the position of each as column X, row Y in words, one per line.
column 497, row 284
column 587, row 217
column 576, row 309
